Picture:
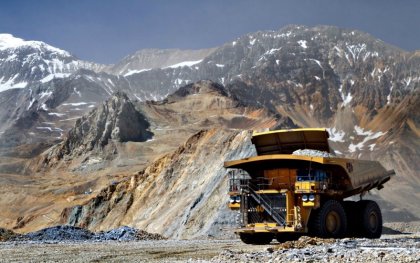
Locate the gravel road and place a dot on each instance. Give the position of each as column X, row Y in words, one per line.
column 115, row 251
column 390, row 248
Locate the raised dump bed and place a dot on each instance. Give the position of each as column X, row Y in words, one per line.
column 295, row 185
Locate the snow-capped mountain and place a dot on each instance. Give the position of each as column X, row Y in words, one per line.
column 147, row 59
column 306, row 73
column 25, row 62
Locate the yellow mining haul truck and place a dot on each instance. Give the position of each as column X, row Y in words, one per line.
column 295, row 186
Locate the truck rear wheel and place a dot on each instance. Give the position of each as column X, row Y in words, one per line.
column 371, row 219
column 330, row 220
column 256, row 238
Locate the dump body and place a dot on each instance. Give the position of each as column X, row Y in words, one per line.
column 354, row 176
column 277, row 190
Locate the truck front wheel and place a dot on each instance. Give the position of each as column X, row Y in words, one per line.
column 329, row 221
column 256, row 238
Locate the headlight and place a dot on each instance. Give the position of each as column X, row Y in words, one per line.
column 304, row 198
column 311, row 198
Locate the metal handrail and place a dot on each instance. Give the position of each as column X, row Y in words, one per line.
column 266, row 204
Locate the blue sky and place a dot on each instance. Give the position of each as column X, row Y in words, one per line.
column 105, row 31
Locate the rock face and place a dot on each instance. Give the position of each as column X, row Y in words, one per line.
column 114, row 120
column 181, row 195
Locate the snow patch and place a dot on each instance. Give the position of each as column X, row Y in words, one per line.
column 336, row 135
column 132, row 71
column 44, row 107
column 355, row 51
column 75, row 104
column 8, row 41
column 303, row 44
column 347, row 99
column 45, row 94
column 185, row 64
column 272, row 51
column 10, row 84
column 56, row 114
column 30, row 104
column 317, row 62
column 388, row 98
column 369, row 136
column 54, row 76
column 220, row 65
column 51, row 129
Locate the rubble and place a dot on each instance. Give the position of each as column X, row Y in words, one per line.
column 308, row 249
column 71, row 233
column 6, row 234
column 126, row 233
column 304, row 242
column 313, row 153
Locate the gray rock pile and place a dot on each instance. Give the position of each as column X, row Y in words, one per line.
column 71, row 233
column 313, row 153
column 307, row 249
column 57, row 233
column 126, row 233
column 6, row 234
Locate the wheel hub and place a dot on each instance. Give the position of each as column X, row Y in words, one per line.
column 332, row 223
column 373, row 221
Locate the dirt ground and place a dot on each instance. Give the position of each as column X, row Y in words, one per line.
column 359, row 250
column 140, row 251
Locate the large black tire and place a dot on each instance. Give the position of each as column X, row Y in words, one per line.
column 283, row 237
column 246, row 238
column 353, row 214
column 329, row 221
column 371, row 219
column 256, row 238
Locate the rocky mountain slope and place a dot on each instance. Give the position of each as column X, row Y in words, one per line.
column 85, row 167
column 296, row 67
column 158, row 199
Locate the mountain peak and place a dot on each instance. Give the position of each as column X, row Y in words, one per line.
column 8, row 41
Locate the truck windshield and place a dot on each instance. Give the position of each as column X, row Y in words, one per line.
column 311, row 175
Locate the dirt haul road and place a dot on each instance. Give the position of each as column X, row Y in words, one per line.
column 114, row 251
column 390, row 248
